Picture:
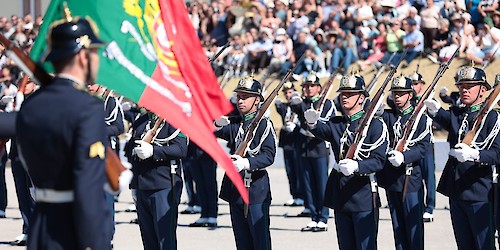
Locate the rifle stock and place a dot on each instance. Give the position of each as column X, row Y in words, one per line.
column 113, row 164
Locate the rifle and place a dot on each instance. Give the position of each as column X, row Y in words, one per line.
column 378, row 74
column 326, row 89
column 224, row 47
column 362, row 129
column 412, row 123
column 488, row 105
column 113, row 164
column 150, row 134
column 252, row 127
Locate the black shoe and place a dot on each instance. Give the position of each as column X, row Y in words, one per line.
column 134, row 221
column 304, row 214
column 19, row 243
column 307, row 229
column 187, row 211
column 210, row 224
column 320, row 229
column 197, row 224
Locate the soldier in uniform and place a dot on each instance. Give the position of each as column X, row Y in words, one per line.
column 407, row 222
column 250, row 231
column 466, row 178
column 287, row 136
column 156, row 164
column 349, row 191
column 427, row 164
column 313, row 153
column 114, row 127
column 69, row 175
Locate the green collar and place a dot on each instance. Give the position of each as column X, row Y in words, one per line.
column 315, row 98
column 418, row 98
column 357, row 115
column 475, row 107
column 408, row 110
column 249, row 116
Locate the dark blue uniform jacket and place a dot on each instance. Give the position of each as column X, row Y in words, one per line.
column 469, row 181
column 61, row 133
column 154, row 173
column 259, row 190
column 352, row 193
column 392, row 178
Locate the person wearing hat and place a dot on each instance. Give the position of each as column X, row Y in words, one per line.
column 406, row 215
column 287, row 136
column 313, row 153
column 427, row 163
column 466, row 178
column 349, row 190
column 69, row 176
column 251, row 231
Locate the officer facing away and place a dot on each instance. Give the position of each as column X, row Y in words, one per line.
column 252, row 231
column 69, row 174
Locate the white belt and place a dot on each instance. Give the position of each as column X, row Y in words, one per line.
column 53, row 196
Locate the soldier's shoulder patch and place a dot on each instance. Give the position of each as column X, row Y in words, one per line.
column 97, row 149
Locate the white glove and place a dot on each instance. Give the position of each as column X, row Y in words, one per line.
column 348, row 166
column 144, row 150
column 464, row 153
column 396, row 158
column 278, row 101
column 312, row 116
column 290, row 126
column 295, row 98
column 125, row 179
column 380, row 110
column 6, row 99
column 19, row 100
column 222, row 121
column 240, row 163
column 432, row 106
column 443, row 91
column 126, row 106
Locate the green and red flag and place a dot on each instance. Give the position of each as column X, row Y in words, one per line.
column 155, row 58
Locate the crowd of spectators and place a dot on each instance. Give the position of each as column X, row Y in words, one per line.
column 272, row 35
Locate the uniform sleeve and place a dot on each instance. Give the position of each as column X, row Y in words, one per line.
column 7, row 124
column 89, row 175
column 323, row 131
column 265, row 156
column 443, row 118
column 176, row 148
column 490, row 156
column 114, row 118
column 376, row 159
column 417, row 151
column 328, row 111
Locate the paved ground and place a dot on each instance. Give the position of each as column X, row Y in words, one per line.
column 285, row 230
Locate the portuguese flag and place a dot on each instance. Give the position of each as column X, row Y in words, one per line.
column 155, row 58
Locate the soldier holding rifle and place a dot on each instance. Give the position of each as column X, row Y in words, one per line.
column 287, row 136
column 349, row 188
column 313, row 153
column 250, row 222
column 69, row 174
column 466, row 178
column 402, row 174
column 155, row 152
